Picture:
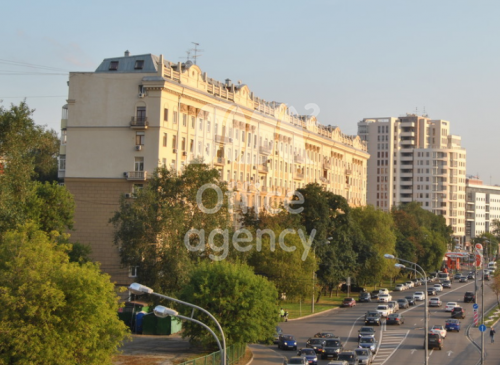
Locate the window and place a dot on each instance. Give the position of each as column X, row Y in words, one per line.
column 165, row 115
column 62, row 162
column 132, row 271
column 183, row 143
column 191, row 146
column 113, row 66
column 139, row 64
column 193, row 121
column 64, row 136
column 174, row 141
column 175, row 117
column 164, row 163
column 208, row 126
column 141, row 113
column 139, row 138
column 165, row 136
column 184, row 120
column 139, row 164
column 200, row 121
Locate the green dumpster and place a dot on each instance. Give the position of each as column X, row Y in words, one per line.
column 152, row 325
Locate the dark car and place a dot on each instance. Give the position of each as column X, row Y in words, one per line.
column 373, row 317
column 316, row 344
column 403, row 303
column 374, row 294
column 366, row 331
column 395, row 318
column 332, row 348
column 469, row 297
column 435, row 341
column 365, row 297
column 276, row 337
column 431, row 292
column 457, row 276
column 486, row 277
column 471, row 276
column 324, row 335
column 452, row 325
column 353, row 288
column 309, row 354
column 349, row 356
column 458, row 312
column 411, row 300
column 348, row 302
column 297, row 360
column 446, row 284
column 287, row 342
column 368, row 342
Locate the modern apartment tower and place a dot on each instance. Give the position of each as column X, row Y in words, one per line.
column 414, row 158
column 136, row 113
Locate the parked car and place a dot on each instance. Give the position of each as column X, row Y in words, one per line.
column 435, row 302
column 450, row 305
column 486, row 277
column 310, row 355
column 469, row 297
column 452, row 325
column 439, row 328
column 403, row 303
column 368, row 342
column 349, row 356
column 419, row 295
column 366, row 332
column 332, row 348
column 297, row 360
column 458, row 312
column 373, row 317
column 446, row 284
column 287, row 342
column 348, row 302
column 434, row 340
column 365, row 356
column 316, row 344
column 410, row 299
column 395, row 318
column 364, row 297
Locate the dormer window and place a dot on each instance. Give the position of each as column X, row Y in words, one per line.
column 113, row 66
column 139, row 64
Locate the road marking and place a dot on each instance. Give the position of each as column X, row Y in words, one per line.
column 412, row 351
column 449, row 353
column 388, row 345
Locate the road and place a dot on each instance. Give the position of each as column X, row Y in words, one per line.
column 399, row 344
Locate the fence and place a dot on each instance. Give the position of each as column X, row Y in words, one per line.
column 233, row 354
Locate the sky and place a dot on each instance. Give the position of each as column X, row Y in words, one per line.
column 354, row 59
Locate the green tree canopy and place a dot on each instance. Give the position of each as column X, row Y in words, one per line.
column 243, row 303
column 55, row 312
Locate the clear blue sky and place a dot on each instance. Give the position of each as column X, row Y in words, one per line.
column 354, row 59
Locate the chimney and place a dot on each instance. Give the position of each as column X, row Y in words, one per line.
column 127, row 53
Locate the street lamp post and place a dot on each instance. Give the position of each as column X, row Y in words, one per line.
column 426, row 304
column 137, row 288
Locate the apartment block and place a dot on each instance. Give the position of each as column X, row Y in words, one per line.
column 136, row 113
column 414, row 158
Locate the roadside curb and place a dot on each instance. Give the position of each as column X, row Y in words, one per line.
column 312, row 315
column 251, row 359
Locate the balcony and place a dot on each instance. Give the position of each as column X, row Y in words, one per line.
column 220, row 161
column 263, row 169
column 408, row 134
column 298, row 159
column 136, row 175
column 139, row 123
column 265, row 150
column 324, row 180
column 327, row 165
column 348, row 171
column 222, row 139
column 406, row 158
column 407, row 142
column 298, row 176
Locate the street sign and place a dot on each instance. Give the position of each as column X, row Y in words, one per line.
column 475, row 306
column 482, row 328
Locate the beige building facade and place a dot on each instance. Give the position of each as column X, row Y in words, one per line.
column 136, row 113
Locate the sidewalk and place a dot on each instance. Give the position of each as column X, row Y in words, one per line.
column 491, row 350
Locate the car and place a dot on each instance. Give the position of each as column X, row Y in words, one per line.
column 365, row 297
column 458, row 312
column 435, row 302
column 338, row 362
column 410, row 284
column 437, row 287
column 431, row 291
column 446, row 284
column 368, row 342
column 348, row 302
column 325, row 335
column 395, row 318
column 417, row 282
column 434, row 340
column 297, row 360
column 457, row 276
column 471, row 276
column 469, row 297
column 373, row 317
column 383, row 291
column 353, row 288
column 463, row 279
column 287, row 342
column 419, row 295
column 439, row 328
column 410, row 299
column 374, row 294
column 365, row 356
column 400, row 287
column 349, row 356
column 452, row 325
column 366, row 332
column 310, row 356
column 316, row 344
column 384, row 298
column 403, row 303
column 486, row 277
column 384, row 310
column 450, row 305
column 393, row 305
column 332, row 348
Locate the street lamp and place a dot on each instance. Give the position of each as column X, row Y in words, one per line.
column 137, row 288
column 163, row 312
column 426, row 304
column 314, row 274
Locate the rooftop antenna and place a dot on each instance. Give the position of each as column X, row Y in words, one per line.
column 424, row 113
column 416, row 111
column 196, row 50
column 187, row 57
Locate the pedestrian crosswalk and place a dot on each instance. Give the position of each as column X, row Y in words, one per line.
column 389, row 343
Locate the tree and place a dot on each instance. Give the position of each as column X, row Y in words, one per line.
column 495, row 285
column 243, row 303
column 55, row 312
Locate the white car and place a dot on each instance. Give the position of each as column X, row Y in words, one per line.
column 419, row 295
column 410, row 284
column 438, row 287
column 438, row 328
column 450, row 305
column 400, row 287
column 435, row 302
column 384, row 310
column 384, row 298
column 383, row 291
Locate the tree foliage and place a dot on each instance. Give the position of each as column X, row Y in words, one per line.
column 243, row 303
column 56, row 312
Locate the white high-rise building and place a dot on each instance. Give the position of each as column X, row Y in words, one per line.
column 414, row 158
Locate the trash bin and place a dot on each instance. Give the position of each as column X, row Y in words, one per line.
column 152, row 325
column 128, row 313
